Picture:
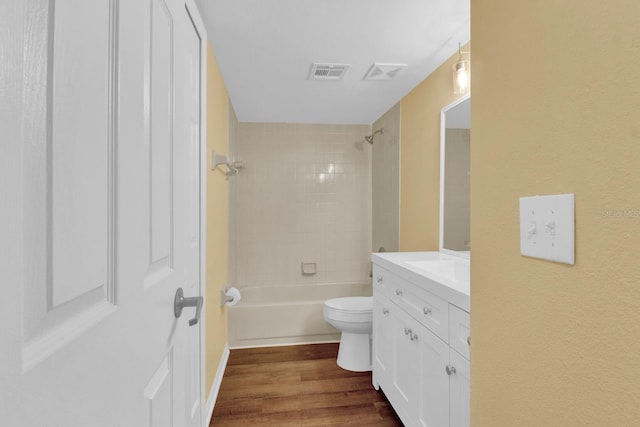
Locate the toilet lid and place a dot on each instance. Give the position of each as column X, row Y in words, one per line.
column 354, row 304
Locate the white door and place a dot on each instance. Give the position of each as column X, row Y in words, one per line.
column 100, row 213
column 188, row 60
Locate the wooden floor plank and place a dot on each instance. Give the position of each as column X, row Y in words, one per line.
column 297, row 386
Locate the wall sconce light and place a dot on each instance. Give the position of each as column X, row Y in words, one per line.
column 462, row 73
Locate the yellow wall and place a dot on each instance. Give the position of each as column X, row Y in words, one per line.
column 556, row 109
column 420, row 158
column 217, row 219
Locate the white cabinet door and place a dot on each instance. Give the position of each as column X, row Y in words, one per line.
column 433, row 402
column 382, row 339
column 420, row 388
column 459, row 391
column 406, row 365
column 95, row 229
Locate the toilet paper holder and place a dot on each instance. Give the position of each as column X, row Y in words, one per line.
column 224, row 297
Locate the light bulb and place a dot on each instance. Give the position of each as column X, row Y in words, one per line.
column 461, row 77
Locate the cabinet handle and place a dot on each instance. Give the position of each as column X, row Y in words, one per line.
column 450, row 370
column 398, row 292
column 379, row 279
column 426, row 311
column 469, row 341
column 385, row 311
column 412, row 336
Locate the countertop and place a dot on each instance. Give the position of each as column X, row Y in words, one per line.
column 441, row 274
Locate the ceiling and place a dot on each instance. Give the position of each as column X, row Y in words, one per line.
column 265, row 50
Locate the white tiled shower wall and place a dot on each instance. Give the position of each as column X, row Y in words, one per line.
column 304, row 196
column 232, row 240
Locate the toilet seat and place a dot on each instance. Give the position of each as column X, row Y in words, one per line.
column 351, row 304
column 349, row 309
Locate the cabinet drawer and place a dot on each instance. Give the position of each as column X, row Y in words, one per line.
column 382, row 281
column 459, row 330
column 431, row 311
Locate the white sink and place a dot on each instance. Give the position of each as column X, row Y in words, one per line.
column 447, row 269
column 442, row 274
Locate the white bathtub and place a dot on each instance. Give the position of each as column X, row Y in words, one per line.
column 291, row 314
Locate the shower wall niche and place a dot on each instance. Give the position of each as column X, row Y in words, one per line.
column 304, row 196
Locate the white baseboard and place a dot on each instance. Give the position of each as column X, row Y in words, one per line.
column 217, row 382
column 283, row 343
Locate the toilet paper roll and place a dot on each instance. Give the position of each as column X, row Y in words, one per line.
column 233, row 297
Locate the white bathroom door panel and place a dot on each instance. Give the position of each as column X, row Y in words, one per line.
column 189, row 63
column 96, row 235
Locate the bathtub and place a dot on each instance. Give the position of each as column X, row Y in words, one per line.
column 288, row 314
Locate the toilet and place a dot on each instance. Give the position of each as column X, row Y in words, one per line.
column 353, row 316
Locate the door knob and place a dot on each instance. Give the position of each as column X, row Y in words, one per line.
column 180, row 302
column 450, row 370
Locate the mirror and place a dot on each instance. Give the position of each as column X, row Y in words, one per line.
column 455, row 130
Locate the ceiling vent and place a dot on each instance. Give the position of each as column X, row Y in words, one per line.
column 327, row 72
column 380, row 71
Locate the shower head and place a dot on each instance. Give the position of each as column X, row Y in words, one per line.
column 369, row 138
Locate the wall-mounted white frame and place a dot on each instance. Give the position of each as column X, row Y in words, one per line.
column 443, row 128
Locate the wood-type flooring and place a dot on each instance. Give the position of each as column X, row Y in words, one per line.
column 297, row 386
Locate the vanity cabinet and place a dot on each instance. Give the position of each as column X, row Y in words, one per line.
column 424, row 376
column 459, row 391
